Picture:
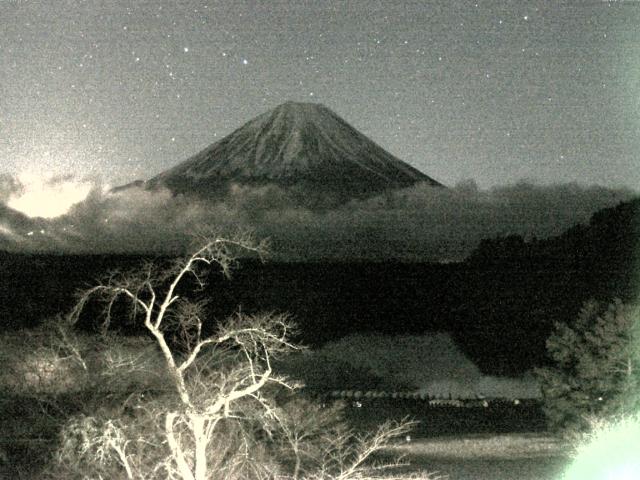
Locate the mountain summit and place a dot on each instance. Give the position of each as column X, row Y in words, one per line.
column 301, row 145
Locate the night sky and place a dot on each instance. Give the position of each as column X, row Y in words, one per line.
column 491, row 91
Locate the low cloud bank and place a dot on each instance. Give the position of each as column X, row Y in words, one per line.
column 417, row 223
column 9, row 186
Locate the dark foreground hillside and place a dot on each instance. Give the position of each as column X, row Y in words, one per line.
column 499, row 305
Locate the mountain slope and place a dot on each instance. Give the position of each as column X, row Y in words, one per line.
column 301, row 145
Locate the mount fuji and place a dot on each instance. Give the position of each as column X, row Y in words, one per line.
column 302, row 147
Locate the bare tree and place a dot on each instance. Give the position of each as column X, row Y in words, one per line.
column 324, row 448
column 220, row 384
column 208, row 393
column 347, row 456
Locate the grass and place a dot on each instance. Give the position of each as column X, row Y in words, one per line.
column 501, row 442
column 466, row 450
column 508, row 445
column 508, row 456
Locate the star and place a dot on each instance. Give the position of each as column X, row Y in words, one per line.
column 92, row 69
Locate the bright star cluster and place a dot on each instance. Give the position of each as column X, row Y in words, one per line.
column 493, row 91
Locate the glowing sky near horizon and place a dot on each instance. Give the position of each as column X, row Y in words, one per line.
column 44, row 197
column 489, row 90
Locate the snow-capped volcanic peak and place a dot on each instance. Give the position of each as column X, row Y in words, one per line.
column 295, row 144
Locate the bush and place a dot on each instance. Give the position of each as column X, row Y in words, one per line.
column 596, row 367
column 53, row 373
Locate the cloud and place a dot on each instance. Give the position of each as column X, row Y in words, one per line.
column 43, row 196
column 417, row 223
column 9, row 186
column 431, row 223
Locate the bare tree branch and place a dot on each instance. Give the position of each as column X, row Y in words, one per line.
column 220, row 379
